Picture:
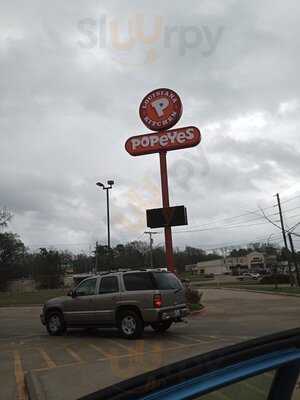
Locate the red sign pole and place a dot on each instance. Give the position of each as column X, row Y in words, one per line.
column 166, row 203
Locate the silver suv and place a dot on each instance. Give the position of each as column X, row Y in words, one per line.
column 127, row 300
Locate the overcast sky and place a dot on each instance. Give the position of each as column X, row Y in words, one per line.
column 72, row 75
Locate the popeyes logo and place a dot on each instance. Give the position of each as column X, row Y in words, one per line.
column 160, row 109
column 163, row 141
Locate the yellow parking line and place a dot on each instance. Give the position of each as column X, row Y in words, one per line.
column 193, row 339
column 122, row 346
column 110, row 356
column 174, row 343
column 252, row 387
column 220, row 395
column 19, row 375
column 101, row 351
column 74, row 355
column 50, row 363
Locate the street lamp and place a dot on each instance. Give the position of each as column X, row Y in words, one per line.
column 110, row 184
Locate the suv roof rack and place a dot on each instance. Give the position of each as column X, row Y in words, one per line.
column 113, row 271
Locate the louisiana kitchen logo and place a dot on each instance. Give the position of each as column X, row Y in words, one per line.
column 155, row 142
column 160, row 109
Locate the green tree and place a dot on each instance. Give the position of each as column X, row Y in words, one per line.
column 48, row 271
column 12, row 251
column 82, row 263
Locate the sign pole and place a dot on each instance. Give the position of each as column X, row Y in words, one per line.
column 166, row 204
column 159, row 111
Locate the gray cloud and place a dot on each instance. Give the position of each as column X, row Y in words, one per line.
column 66, row 111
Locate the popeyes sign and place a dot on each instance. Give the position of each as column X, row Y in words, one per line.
column 160, row 110
column 163, row 141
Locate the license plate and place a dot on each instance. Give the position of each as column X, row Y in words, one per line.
column 177, row 313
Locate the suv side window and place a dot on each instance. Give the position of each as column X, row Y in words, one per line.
column 139, row 281
column 87, row 288
column 109, row 284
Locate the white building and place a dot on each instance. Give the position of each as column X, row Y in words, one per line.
column 253, row 261
column 216, row 267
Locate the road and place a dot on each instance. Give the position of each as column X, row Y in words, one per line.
column 80, row 362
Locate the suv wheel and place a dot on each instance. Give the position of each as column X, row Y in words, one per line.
column 161, row 326
column 55, row 323
column 130, row 324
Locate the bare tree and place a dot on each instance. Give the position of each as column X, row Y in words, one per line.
column 5, row 217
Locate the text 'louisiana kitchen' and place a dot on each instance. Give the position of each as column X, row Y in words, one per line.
column 155, row 142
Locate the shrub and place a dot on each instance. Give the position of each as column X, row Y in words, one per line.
column 193, row 296
column 275, row 278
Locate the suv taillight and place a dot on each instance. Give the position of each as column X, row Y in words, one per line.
column 157, row 301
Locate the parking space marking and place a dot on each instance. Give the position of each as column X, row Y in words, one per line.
column 217, row 394
column 107, row 356
column 74, row 355
column 194, row 339
column 175, row 344
column 122, row 346
column 255, row 389
column 19, row 375
column 49, row 362
column 105, row 353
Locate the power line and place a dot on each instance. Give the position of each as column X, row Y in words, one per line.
column 202, row 226
column 232, row 244
column 288, row 200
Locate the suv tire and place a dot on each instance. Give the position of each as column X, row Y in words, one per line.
column 130, row 324
column 161, row 326
column 55, row 323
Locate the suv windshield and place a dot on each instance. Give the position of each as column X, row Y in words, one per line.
column 166, row 281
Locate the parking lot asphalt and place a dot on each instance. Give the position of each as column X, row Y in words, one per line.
column 83, row 361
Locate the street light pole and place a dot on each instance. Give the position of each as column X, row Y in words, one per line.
column 108, row 218
column 110, row 184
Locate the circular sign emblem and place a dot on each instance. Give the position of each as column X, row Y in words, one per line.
column 160, row 109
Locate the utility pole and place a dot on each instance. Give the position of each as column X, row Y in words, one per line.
column 150, row 233
column 294, row 258
column 96, row 257
column 284, row 237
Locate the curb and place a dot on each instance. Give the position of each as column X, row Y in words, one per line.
column 33, row 386
column 260, row 291
column 197, row 312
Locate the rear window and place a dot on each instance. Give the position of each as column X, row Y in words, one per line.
column 166, row 281
column 139, row 281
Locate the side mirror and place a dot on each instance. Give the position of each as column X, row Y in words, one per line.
column 72, row 293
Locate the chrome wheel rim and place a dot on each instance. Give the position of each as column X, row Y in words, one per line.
column 128, row 325
column 54, row 323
